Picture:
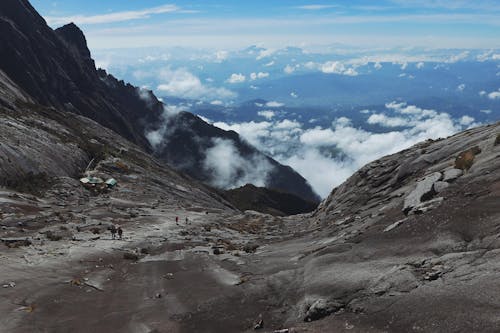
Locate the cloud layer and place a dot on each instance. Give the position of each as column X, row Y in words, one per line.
column 326, row 156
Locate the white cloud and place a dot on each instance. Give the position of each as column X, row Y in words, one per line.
column 466, row 120
column 321, row 172
column 326, row 156
column 236, row 78
column 221, row 56
column 229, row 169
column 294, row 95
column 217, row 102
column 289, row 69
column 182, row 83
column 287, row 124
column 112, row 17
column 269, row 64
column 377, row 66
column 268, row 114
column 420, row 65
column 205, row 119
column 458, row 57
column 265, row 53
column 383, row 120
column 485, row 111
column 251, row 131
column 259, row 75
column 482, row 93
column 494, row 95
column 461, row 87
column 157, row 137
column 336, row 67
column 274, row 104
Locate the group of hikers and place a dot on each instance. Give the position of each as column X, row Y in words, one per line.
column 116, row 230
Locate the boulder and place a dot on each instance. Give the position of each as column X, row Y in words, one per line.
column 452, row 174
column 440, row 186
column 424, row 189
column 322, row 308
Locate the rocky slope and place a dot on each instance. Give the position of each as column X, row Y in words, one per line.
column 359, row 263
column 55, row 69
column 409, row 243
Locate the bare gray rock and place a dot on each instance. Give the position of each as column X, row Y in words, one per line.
column 440, row 186
column 322, row 308
column 452, row 174
column 424, row 188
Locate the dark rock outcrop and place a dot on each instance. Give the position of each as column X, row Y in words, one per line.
column 268, row 201
column 187, row 139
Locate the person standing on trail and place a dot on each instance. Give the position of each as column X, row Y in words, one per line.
column 113, row 231
column 120, row 232
column 187, row 221
column 177, row 220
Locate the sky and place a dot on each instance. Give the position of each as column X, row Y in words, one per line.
column 232, row 24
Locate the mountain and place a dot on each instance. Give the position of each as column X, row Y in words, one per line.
column 222, row 158
column 268, row 201
column 55, row 69
column 410, row 242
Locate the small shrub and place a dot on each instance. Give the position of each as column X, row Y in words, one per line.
column 465, row 159
column 122, row 166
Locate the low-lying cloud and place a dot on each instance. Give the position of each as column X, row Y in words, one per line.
column 229, row 169
column 327, row 156
column 182, row 83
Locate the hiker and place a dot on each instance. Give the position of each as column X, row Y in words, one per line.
column 120, row 232
column 177, row 220
column 187, row 221
column 113, row 231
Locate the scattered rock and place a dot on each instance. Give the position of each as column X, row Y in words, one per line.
column 321, row 308
column 52, row 236
column 423, row 192
column 452, row 174
column 427, row 205
column 259, row 325
column 440, row 186
column 15, row 242
column 285, row 330
column 130, row 256
column 250, row 248
column 394, row 225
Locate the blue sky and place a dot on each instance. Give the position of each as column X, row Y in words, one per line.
column 235, row 24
